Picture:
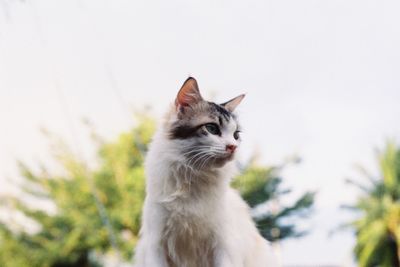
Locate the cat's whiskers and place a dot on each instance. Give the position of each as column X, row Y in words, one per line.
column 200, row 155
column 197, row 149
column 210, row 150
column 216, row 152
column 199, row 159
column 213, row 151
column 206, row 160
column 192, row 160
column 189, row 167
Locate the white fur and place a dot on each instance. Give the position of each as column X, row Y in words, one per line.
column 219, row 207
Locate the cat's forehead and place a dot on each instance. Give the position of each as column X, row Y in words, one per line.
column 188, row 120
column 206, row 111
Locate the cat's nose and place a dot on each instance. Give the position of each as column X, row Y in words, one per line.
column 231, row 148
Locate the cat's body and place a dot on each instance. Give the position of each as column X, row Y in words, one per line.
column 191, row 216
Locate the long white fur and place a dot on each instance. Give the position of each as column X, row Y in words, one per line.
column 237, row 243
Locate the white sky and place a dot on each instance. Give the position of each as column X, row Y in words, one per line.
column 321, row 77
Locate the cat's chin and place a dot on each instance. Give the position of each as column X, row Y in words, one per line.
column 220, row 162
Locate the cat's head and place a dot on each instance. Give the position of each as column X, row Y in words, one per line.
column 208, row 134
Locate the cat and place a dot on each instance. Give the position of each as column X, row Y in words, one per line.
column 191, row 216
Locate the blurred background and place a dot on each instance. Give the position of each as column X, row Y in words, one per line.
column 83, row 84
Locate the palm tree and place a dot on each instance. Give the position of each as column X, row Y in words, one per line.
column 378, row 228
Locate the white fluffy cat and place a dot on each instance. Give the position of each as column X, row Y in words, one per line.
column 192, row 217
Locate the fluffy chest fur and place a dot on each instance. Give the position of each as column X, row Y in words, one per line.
column 191, row 231
column 189, row 240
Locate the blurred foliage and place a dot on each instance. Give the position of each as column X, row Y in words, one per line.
column 261, row 186
column 98, row 211
column 378, row 227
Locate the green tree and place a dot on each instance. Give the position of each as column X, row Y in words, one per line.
column 378, row 227
column 260, row 185
column 98, row 210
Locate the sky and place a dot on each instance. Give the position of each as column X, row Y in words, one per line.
column 321, row 78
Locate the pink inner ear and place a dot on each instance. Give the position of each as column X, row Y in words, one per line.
column 183, row 100
column 189, row 94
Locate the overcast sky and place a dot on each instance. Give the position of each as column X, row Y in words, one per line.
column 321, row 77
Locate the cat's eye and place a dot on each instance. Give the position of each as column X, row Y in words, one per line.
column 212, row 128
column 236, row 135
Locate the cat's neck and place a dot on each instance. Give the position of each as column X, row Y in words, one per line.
column 186, row 185
column 198, row 183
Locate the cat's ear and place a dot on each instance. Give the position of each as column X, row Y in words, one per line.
column 233, row 103
column 189, row 94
